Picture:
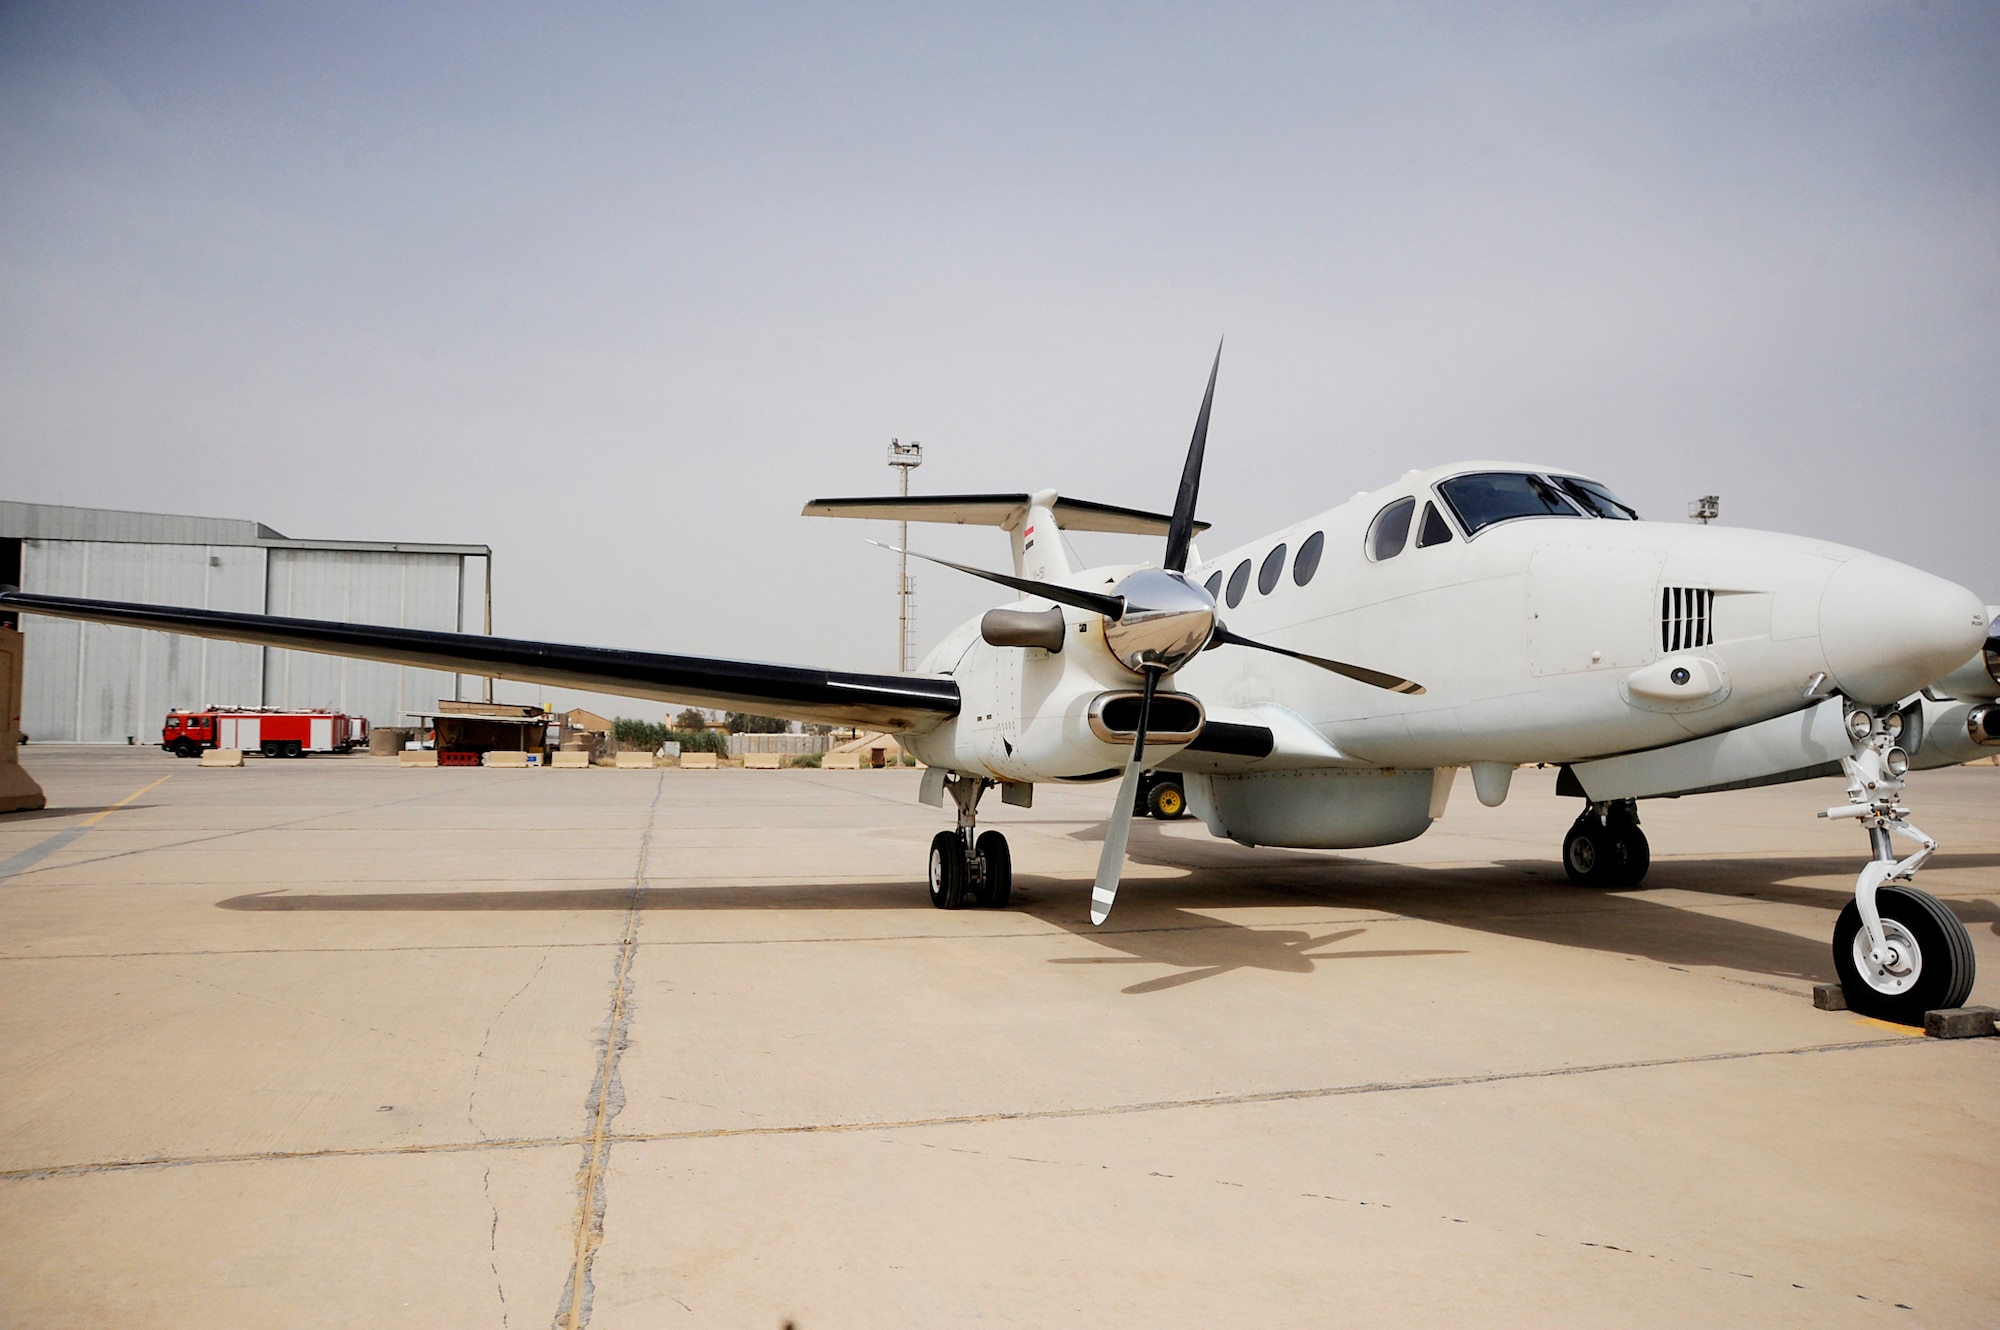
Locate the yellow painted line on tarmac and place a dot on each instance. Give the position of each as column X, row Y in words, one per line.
column 1909, row 1030
column 103, row 813
column 42, row 849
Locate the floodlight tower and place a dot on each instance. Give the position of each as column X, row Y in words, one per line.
column 905, row 457
column 1705, row 509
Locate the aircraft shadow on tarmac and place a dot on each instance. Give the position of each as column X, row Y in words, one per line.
column 1162, row 922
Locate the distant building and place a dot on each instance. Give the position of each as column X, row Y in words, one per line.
column 93, row 683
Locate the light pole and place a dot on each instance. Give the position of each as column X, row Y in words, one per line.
column 905, row 457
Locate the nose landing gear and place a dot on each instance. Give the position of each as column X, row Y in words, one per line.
column 1604, row 847
column 969, row 867
column 1899, row 951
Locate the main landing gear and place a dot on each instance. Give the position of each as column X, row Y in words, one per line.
column 1605, row 848
column 1899, row 952
column 967, row 866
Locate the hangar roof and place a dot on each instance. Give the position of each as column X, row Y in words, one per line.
column 52, row 521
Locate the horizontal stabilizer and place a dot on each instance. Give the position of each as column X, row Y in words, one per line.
column 1002, row 510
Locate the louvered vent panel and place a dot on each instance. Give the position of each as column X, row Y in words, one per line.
column 1687, row 618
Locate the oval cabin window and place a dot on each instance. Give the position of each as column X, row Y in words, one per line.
column 1272, row 570
column 1307, row 563
column 1239, row 582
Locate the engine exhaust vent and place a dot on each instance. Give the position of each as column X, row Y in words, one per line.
column 1687, row 618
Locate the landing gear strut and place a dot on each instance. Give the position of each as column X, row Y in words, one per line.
column 1899, row 952
column 1605, row 848
column 967, row 866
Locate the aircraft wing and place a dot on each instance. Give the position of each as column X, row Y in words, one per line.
column 876, row 701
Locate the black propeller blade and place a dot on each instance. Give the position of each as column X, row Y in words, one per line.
column 1180, row 530
column 1359, row 673
column 1112, row 607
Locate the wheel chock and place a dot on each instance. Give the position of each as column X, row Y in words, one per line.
column 1961, row 1023
column 1829, row 997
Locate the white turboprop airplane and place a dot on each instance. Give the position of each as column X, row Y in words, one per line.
column 1546, row 621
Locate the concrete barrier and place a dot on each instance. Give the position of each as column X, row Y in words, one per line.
column 18, row 790
column 840, row 762
column 222, row 757
column 697, row 761
column 761, row 761
column 571, row 759
column 500, row 757
column 634, row 762
column 417, row 757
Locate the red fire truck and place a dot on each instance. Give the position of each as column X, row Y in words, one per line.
column 274, row 733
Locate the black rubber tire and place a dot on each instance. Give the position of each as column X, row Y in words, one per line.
column 1595, row 855
column 269, row 748
column 1947, row 966
column 184, row 748
column 1166, row 800
column 947, row 871
column 998, row 861
column 1638, row 854
column 292, row 748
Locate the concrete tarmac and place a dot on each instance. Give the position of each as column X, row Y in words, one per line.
column 331, row 1042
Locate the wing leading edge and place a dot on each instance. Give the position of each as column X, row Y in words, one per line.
column 878, row 701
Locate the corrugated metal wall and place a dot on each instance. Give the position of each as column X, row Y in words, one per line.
column 352, row 586
column 92, row 683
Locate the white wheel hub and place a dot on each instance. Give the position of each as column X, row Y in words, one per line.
column 1902, row 960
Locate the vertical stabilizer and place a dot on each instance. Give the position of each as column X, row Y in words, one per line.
column 1038, row 546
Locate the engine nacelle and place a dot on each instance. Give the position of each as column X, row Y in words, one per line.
column 1952, row 732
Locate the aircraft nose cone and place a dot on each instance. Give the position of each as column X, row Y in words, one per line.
column 1888, row 629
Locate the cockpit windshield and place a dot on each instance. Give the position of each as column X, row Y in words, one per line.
column 1597, row 500
column 1482, row 498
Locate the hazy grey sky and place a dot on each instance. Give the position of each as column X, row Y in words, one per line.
column 615, row 290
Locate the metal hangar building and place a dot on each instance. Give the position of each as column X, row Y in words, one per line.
column 93, row 683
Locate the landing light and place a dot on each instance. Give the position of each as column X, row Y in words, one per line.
column 1892, row 724
column 1860, row 724
column 1896, row 762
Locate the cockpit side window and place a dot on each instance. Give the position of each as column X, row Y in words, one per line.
column 1597, row 500
column 1482, row 498
column 1390, row 530
column 1435, row 530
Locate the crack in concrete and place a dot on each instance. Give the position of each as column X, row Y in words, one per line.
column 479, row 1058
column 592, row 1141
column 493, row 1243
column 606, row 1099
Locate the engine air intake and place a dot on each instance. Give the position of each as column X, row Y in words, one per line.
column 1176, row 719
column 1687, row 618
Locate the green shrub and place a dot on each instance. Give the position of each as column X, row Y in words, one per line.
column 638, row 733
column 805, row 760
column 700, row 741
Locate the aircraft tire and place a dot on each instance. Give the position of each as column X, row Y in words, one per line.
column 1595, row 855
column 947, row 871
column 1638, row 855
column 1944, row 970
column 1166, row 801
column 998, row 861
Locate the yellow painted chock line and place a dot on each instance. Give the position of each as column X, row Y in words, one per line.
column 103, row 813
column 47, row 846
